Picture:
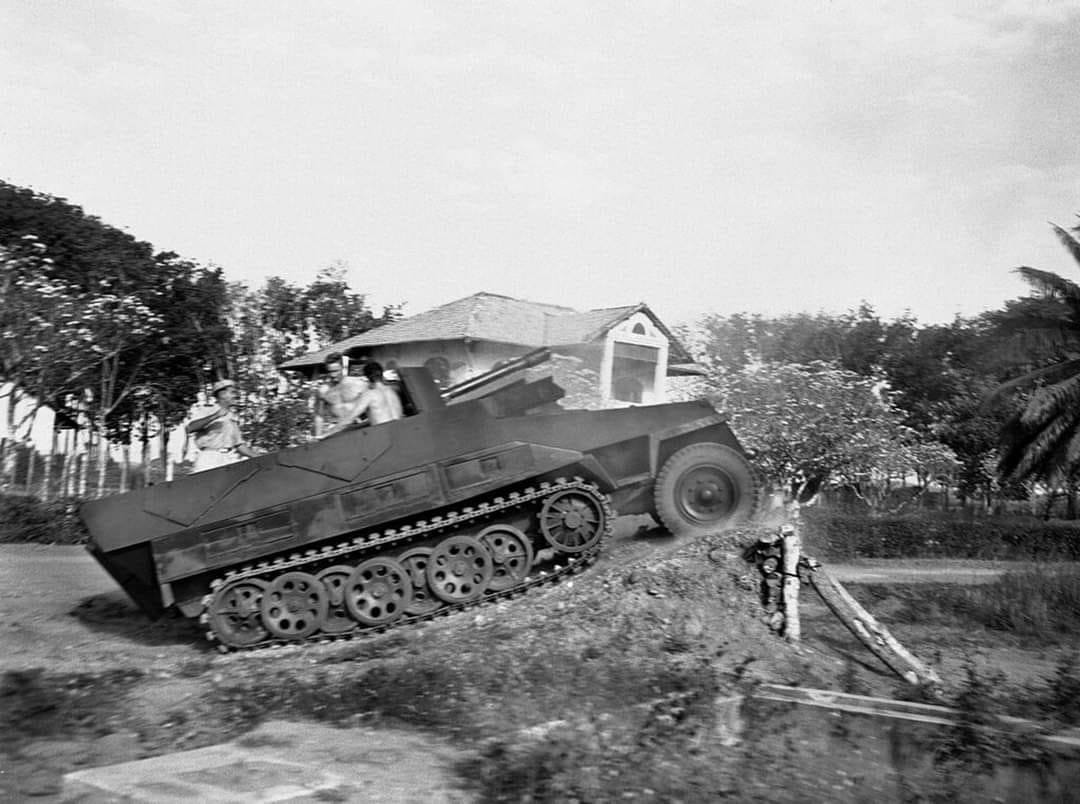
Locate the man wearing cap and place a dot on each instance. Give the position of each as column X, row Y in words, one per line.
column 217, row 433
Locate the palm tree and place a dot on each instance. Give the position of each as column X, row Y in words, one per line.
column 1042, row 440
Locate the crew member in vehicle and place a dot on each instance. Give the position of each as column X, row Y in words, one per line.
column 217, row 432
column 380, row 402
column 336, row 399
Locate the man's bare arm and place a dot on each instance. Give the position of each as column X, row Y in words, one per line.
column 350, row 419
column 205, row 421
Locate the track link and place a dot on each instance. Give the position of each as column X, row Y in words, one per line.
column 569, row 564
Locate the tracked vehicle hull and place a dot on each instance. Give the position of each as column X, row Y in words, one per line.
column 467, row 499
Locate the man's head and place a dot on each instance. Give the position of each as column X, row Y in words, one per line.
column 224, row 392
column 335, row 366
column 373, row 372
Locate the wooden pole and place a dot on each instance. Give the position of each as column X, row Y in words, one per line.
column 869, row 631
column 790, row 549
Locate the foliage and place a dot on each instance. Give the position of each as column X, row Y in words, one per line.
column 280, row 321
column 1042, row 440
column 840, row 536
column 815, row 424
column 109, row 335
column 58, row 340
column 1061, row 697
column 28, row 519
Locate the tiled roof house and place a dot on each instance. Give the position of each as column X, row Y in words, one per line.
column 629, row 347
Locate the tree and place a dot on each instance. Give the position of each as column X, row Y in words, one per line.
column 101, row 317
column 280, row 321
column 1042, row 439
column 809, row 426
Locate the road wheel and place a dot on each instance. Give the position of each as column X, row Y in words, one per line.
column 705, row 488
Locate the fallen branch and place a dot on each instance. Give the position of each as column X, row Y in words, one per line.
column 868, row 630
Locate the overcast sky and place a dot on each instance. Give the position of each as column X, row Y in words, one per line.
column 704, row 156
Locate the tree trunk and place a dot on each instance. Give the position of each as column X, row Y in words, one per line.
column 31, row 456
column 47, row 470
column 62, row 486
column 3, row 461
column 125, row 467
column 145, row 456
column 102, row 459
column 84, row 463
column 166, row 460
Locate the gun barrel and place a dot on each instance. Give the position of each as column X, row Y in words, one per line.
column 528, row 360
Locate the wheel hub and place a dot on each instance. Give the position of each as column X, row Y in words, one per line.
column 378, row 591
column 235, row 615
column 706, row 493
column 512, row 553
column 459, row 569
column 572, row 522
column 294, row 605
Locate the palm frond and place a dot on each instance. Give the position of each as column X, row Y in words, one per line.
column 1051, row 401
column 1032, row 457
column 1071, row 456
column 1050, row 283
column 1055, row 373
column 1067, row 240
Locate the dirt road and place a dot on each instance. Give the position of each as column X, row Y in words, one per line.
column 925, row 570
column 61, row 611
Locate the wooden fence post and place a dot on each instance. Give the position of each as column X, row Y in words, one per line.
column 790, row 550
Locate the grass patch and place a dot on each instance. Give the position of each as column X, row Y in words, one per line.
column 1040, row 603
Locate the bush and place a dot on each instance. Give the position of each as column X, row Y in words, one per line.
column 28, row 519
column 834, row 535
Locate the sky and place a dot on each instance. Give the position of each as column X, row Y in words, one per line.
column 699, row 156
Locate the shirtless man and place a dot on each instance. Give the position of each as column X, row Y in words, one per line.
column 380, row 402
column 336, row 399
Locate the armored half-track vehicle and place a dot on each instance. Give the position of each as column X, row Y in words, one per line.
column 478, row 493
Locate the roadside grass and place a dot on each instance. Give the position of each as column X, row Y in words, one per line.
column 1039, row 603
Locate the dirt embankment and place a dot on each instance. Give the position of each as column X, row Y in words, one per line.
column 88, row 681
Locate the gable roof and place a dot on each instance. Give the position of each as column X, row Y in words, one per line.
column 492, row 317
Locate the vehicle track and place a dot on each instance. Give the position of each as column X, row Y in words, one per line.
column 403, row 537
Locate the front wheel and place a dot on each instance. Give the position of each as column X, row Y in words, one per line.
column 705, row 488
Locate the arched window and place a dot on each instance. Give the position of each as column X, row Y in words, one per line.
column 639, row 328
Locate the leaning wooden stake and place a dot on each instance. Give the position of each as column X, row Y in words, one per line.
column 869, row 631
column 790, row 547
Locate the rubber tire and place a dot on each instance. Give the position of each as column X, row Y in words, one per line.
column 706, row 454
